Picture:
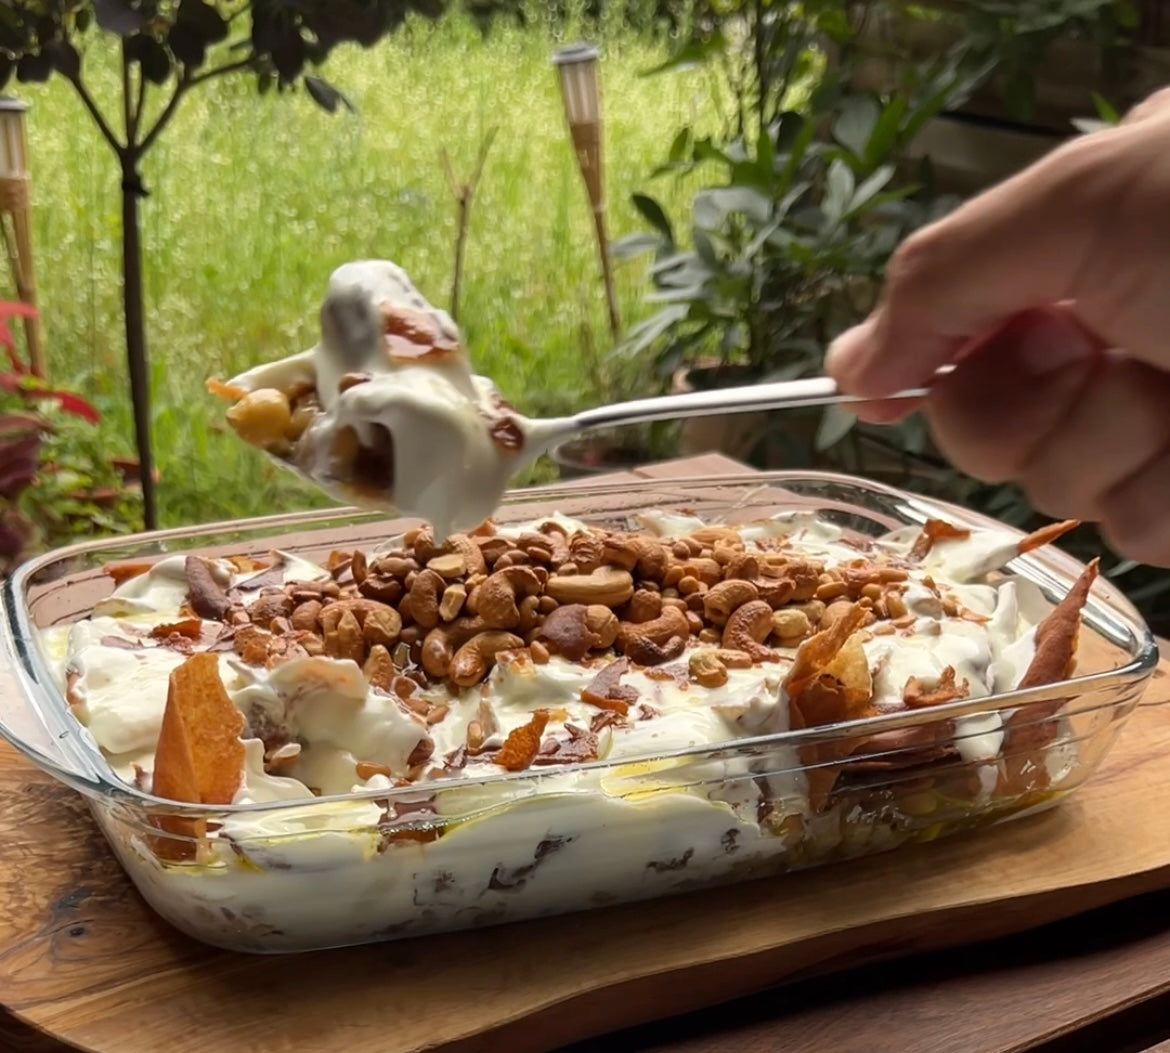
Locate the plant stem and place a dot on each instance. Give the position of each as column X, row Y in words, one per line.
column 96, row 114
column 135, row 323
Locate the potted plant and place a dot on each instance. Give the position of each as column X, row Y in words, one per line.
column 788, row 239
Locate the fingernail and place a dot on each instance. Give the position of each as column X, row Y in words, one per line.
column 1047, row 343
column 849, row 352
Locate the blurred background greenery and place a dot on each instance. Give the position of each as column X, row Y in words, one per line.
column 763, row 160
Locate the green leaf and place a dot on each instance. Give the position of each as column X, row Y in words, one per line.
column 1105, row 109
column 634, row 245
column 883, row 141
column 681, row 146
column 869, row 188
column 854, row 127
column 33, row 69
column 695, row 52
column 151, row 56
column 711, row 208
column 64, row 58
column 326, row 95
column 652, row 212
column 646, row 333
column 838, row 190
column 836, row 423
column 7, row 68
column 119, row 16
column 203, row 20
column 186, row 45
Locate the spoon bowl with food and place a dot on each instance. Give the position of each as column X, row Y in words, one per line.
column 386, row 413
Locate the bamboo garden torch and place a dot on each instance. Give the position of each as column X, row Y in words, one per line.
column 581, row 91
column 16, row 218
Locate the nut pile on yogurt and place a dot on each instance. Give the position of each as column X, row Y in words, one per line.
column 444, row 733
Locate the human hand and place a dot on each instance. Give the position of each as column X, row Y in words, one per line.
column 1051, row 295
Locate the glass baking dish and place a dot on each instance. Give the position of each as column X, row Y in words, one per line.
column 383, row 864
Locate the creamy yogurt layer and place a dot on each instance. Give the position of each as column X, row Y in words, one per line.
column 559, row 715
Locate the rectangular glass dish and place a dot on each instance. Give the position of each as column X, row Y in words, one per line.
column 465, row 852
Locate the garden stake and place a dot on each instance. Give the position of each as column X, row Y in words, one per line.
column 16, row 220
column 581, row 92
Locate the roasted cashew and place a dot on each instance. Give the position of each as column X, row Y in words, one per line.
column 473, row 558
column 704, row 568
column 424, row 595
column 496, row 599
column 747, row 629
column 606, row 585
column 440, row 644
column 706, row 669
column 657, row 641
column 743, row 565
column 475, row 658
column 493, row 547
column 721, row 600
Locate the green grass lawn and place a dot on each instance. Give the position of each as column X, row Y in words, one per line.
column 255, row 199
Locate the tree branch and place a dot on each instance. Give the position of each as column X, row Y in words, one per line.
column 227, row 67
column 96, row 114
column 168, row 112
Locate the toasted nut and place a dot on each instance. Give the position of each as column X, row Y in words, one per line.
column 305, row 616
column 694, row 602
column 547, row 605
column 789, row 623
column 475, row 658
column 705, row 569
column 473, row 558
column 689, row 585
column 706, row 669
column 422, row 545
column 379, row 668
column 539, row 652
column 492, row 547
column 831, row 590
column 346, row 640
column 606, row 585
column 710, row 636
column 382, row 627
column 896, row 604
column 672, row 576
column 424, row 598
column 310, row 643
column 449, row 565
column 651, row 643
column 644, row 606
column 722, row 599
column 603, row 623
column 677, row 601
column 358, row 567
column 734, row 659
column 454, row 596
column 381, row 587
column 440, row 644
column 396, row 566
column 515, row 558
column 268, row 606
column 497, row 598
column 262, row 418
column 530, row 616
column 620, row 550
column 681, row 550
column 695, row 622
column 747, row 628
column 586, row 551
column 743, row 565
column 872, row 591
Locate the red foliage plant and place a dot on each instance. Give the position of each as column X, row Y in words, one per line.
column 22, row 430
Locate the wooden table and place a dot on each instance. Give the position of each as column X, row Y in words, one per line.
column 1098, row 982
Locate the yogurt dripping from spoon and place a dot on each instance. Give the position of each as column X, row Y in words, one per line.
column 385, row 411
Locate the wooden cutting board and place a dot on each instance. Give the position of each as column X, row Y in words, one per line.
column 83, row 960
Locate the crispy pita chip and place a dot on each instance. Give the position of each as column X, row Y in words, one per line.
column 1029, row 729
column 222, row 390
column 124, row 572
column 829, row 682
column 919, row 693
column 192, row 628
column 523, row 743
column 1046, row 535
column 935, row 530
column 200, row 757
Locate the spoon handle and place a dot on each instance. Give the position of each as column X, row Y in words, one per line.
column 786, row 394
